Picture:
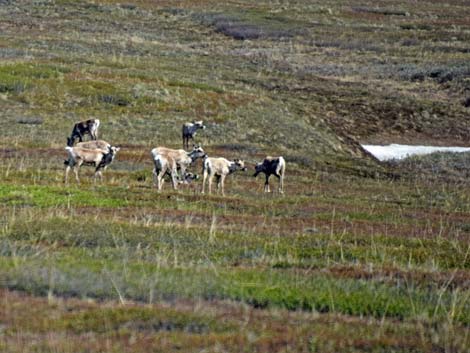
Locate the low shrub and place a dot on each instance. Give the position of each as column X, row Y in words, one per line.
column 446, row 165
column 114, row 100
column 238, row 147
column 380, row 11
column 11, row 85
column 441, row 74
column 30, row 121
column 244, row 27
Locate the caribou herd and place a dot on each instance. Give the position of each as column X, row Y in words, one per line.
column 167, row 162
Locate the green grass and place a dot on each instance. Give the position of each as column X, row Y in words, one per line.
column 91, row 278
column 183, row 262
column 45, row 196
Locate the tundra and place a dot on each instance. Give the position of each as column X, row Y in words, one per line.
column 272, row 166
column 220, row 168
column 189, row 131
column 82, row 128
column 169, row 161
column 98, row 158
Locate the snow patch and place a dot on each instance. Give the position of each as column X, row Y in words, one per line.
column 396, row 151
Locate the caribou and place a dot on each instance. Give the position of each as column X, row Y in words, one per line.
column 168, row 161
column 82, row 128
column 272, row 166
column 189, row 131
column 98, row 158
column 219, row 168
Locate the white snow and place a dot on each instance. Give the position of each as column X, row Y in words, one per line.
column 395, row 151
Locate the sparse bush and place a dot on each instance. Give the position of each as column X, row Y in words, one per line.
column 175, row 11
column 448, row 49
column 30, row 121
column 410, row 42
column 439, row 165
column 441, row 74
column 11, row 84
column 466, row 102
column 301, row 160
column 349, row 45
column 238, row 147
column 130, row 7
column 115, row 100
column 380, row 11
column 416, row 26
column 243, row 31
column 32, row 71
column 245, row 27
column 11, row 53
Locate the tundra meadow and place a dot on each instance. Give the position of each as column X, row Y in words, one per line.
column 356, row 256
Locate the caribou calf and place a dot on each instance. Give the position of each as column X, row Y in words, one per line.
column 189, row 131
column 82, row 128
column 275, row 166
column 188, row 178
column 98, row 158
column 220, row 168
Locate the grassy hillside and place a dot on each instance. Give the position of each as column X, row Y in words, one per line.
column 348, row 260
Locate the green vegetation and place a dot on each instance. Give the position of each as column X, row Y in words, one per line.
column 356, row 256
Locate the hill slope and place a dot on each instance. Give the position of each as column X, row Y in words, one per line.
column 389, row 73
